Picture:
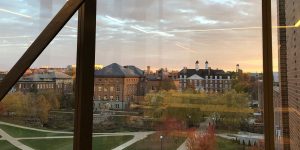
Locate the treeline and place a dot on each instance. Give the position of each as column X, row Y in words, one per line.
column 31, row 105
column 228, row 110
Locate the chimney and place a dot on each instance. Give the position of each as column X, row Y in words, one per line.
column 237, row 68
column 197, row 65
column 206, row 65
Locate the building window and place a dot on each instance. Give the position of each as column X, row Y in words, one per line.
column 111, row 98
column 99, row 88
column 117, row 98
column 111, row 89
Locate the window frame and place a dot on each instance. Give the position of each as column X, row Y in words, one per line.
column 85, row 66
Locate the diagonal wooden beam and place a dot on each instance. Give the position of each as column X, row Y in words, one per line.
column 83, row 124
column 38, row 46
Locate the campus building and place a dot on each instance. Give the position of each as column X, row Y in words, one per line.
column 45, row 81
column 206, row 80
column 118, row 86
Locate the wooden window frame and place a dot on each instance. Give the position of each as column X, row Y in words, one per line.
column 85, row 67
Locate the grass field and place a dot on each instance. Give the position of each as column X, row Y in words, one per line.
column 152, row 142
column 99, row 143
column 4, row 145
column 19, row 132
column 224, row 144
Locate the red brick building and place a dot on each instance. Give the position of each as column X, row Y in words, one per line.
column 118, row 86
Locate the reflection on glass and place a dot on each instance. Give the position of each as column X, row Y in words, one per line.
column 178, row 75
column 286, row 88
column 38, row 111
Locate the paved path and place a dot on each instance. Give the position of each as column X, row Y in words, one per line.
column 14, row 141
column 137, row 137
column 225, row 136
column 182, row 146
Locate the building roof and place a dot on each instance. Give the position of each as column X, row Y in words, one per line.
column 136, row 70
column 116, row 70
column 46, row 76
column 202, row 72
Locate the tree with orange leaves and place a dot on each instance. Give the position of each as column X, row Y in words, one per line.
column 202, row 140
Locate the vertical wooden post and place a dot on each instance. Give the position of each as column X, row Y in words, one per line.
column 85, row 76
column 268, row 75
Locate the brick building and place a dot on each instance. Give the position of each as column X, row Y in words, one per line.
column 289, row 44
column 45, row 81
column 162, row 79
column 118, row 86
column 207, row 80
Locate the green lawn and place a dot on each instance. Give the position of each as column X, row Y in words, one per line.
column 4, row 145
column 152, row 142
column 99, row 143
column 19, row 132
column 224, row 144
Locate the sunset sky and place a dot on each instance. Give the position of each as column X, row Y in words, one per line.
column 158, row 33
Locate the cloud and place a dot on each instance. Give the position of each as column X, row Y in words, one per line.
column 220, row 30
column 204, row 20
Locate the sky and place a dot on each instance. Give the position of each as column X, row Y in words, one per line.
column 159, row 33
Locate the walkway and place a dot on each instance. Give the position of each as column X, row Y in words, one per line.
column 137, row 137
column 183, row 146
column 14, row 141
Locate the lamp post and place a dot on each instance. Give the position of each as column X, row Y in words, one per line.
column 161, row 140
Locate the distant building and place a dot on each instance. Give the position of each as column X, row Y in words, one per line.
column 277, row 113
column 118, row 86
column 260, row 94
column 73, row 67
column 45, row 81
column 162, row 79
column 207, row 80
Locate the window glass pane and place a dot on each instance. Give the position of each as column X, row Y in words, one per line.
column 286, row 21
column 183, row 74
column 38, row 112
column 21, row 22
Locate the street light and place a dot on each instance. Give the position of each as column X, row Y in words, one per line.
column 161, row 138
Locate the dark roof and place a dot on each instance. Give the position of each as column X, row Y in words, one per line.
column 203, row 72
column 46, row 76
column 136, row 70
column 116, row 70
